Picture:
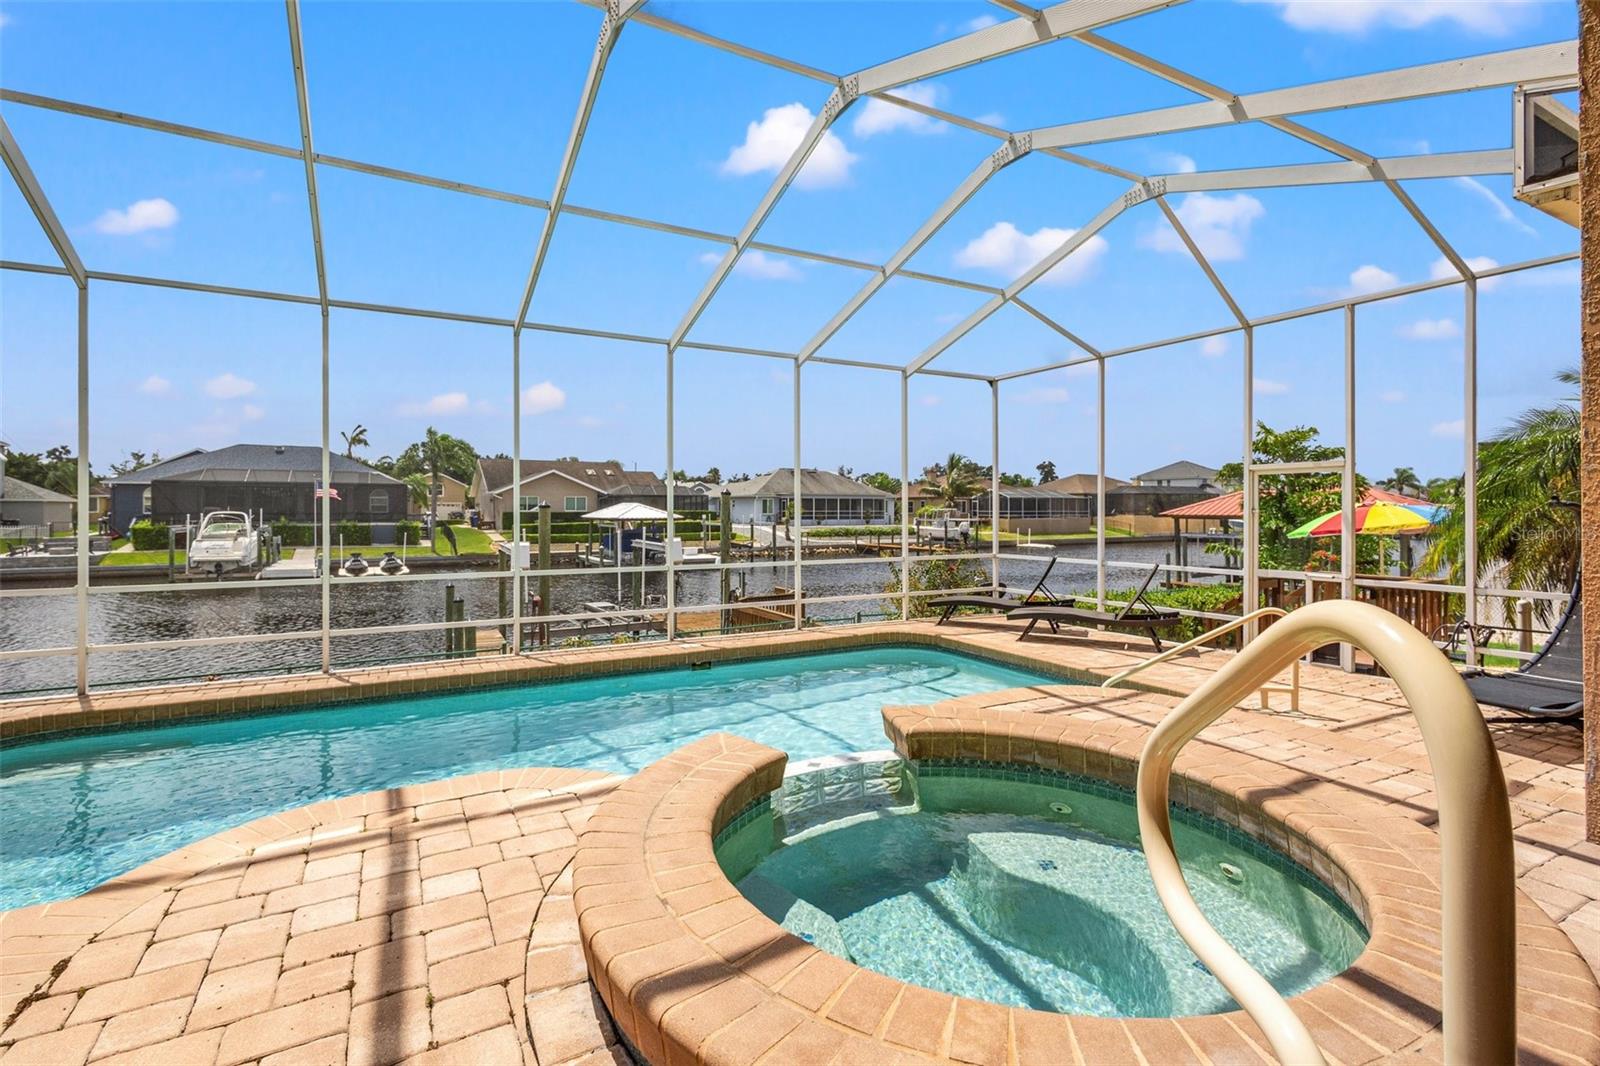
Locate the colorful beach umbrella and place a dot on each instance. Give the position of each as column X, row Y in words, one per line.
column 1374, row 518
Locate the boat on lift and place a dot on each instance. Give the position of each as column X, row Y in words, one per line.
column 226, row 540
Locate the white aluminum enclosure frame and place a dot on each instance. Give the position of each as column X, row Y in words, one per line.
column 1076, row 19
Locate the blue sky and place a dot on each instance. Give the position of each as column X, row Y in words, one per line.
column 484, row 93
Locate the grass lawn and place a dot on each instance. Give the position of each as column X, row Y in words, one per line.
column 141, row 559
column 469, row 541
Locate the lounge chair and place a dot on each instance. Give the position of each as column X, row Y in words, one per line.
column 1137, row 614
column 1550, row 685
column 998, row 598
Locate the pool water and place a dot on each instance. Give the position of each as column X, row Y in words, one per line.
column 981, row 888
column 76, row 811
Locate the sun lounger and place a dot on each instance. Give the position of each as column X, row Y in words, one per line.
column 1550, row 685
column 1137, row 614
column 998, row 598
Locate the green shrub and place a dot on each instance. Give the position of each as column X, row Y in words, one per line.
column 852, row 531
column 149, row 536
column 934, row 575
column 1217, row 599
column 408, row 532
column 356, row 533
column 294, row 534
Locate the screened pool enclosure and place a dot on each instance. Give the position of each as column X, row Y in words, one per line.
column 1128, row 329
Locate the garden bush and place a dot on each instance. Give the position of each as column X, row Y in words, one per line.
column 294, row 534
column 352, row 533
column 148, row 536
column 407, row 531
column 936, row 575
column 1217, row 599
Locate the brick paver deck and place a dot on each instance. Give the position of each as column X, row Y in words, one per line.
column 387, row 927
column 1352, row 729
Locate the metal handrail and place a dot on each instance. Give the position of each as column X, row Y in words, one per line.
column 1209, row 635
column 1478, row 904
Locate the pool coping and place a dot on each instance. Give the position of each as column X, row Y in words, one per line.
column 692, row 972
column 28, row 721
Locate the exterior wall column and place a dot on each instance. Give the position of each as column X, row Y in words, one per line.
column 1589, row 533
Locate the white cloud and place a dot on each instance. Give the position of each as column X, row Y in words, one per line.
column 1501, row 209
column 251, row 413
column 928, row 399
column 769, row 143
column 1081, row 369
column 1266, row 387
column 1219, row 225
column 1443, row 269
column 1175, row 163
column 155, row 385
column 1488, row 17
column 880, row 116
column 1008, row 252
column 1430, row 329
column 590, row 421
column 229, row 386
column 543, row 398
column 1454, row 428
column 445, row 403
column 1045, row 394
column 757, row 264
column 991, row 118
column 1212, row 347
column 137, row 217
column 980, row 22
column 1369, row 278
column 1392, row 396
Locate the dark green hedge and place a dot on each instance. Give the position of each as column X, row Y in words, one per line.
column 148, row 536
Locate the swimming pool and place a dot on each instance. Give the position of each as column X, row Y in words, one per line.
column 76, row 811
column 1025, row 888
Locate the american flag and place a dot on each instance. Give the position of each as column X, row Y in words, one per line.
column 332, row 493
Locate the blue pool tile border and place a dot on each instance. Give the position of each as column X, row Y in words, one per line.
column 1056, row 675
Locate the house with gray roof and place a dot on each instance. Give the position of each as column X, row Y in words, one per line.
column 1179, row 475
column 23, row 503
column 277, row 480
column 826, row 499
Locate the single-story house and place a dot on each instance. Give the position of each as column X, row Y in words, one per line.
column 1180, row 475
column 99, row 504
column 277, row 480
column 1037, row 510
column 25, row 504
column 569, row 486
column 826, row 499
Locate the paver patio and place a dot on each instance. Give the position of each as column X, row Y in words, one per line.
column 395, row 926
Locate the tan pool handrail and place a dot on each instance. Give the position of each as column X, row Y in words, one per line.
column 1479, row 948
column 1293, row 687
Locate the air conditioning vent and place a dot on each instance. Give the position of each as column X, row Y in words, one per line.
column 1546, row 136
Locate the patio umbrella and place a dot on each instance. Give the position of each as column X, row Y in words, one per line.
column 1372, row 518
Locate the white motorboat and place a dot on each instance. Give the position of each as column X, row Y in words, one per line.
column 226, row 540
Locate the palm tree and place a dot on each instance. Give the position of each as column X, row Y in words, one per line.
column 355, row 438
column 418, row 489
column 1522, row 471
column 1404, row 480
column 959, row 480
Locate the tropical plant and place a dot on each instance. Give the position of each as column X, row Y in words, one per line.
column 1523, row 471
column 418, row 489
column 435, row 454
column 1288, row 501
column 958, row 480
column 353, row 439
column 932, row 576
column 1047, row 471
column 1404, row 480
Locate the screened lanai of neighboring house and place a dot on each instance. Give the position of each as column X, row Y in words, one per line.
column 1110, row 236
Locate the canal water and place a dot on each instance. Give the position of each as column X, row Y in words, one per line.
column 260, row 608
